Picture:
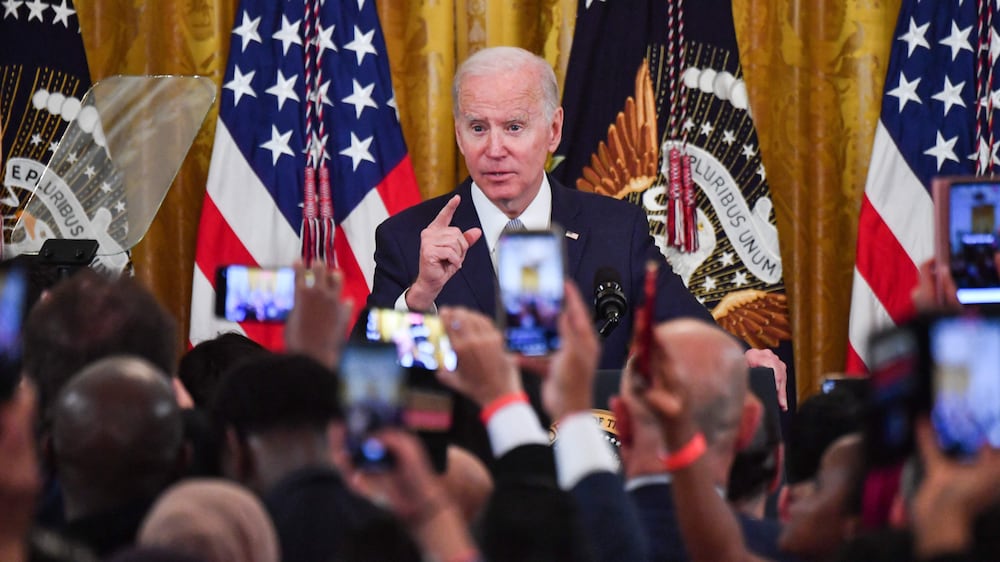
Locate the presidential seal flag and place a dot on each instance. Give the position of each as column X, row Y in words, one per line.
column 941, row 93
column 657, row 113
column 308, row 156
column 43, row 78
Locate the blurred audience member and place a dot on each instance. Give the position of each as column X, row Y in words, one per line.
column 116, row 443
column 276, row 412
column 19, row 477
column 756, row 469
column 215, row 520
column 529, row 517
column 203, row 365
column 821, row 522
column 820, row 420
column 709, row 365
column 89, row 317
column 412, row 490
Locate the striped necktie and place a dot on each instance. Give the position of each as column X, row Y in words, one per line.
column 513, row 225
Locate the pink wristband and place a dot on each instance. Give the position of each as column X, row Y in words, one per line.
column 497, row 404
column 686, row 455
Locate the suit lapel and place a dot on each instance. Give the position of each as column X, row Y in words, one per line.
column 477, row 269
column 565, row 213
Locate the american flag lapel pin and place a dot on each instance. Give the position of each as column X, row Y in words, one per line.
column 572, row 235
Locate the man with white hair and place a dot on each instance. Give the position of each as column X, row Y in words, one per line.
column 507, row 122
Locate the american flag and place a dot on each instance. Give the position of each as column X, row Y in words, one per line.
column 284, row 55
column 937, row 119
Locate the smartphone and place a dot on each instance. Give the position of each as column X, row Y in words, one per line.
column 966, row 246
column 642, row 334
column 422, row 346
column 245, row 293
column 373, row 393
column 895, row 394
column 531, row 265
column 965, row 379
column 13, row 295
column 420, row 339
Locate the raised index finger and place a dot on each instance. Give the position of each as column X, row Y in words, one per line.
column 443, row 217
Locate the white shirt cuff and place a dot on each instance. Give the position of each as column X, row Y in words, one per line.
column 401, row 304
column 581, row 449
column 515, row 425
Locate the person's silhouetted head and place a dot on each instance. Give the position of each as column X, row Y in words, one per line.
column 215, row 519
column 275, row 411
column 116, row 435
column 202, row 367
column 89, row 317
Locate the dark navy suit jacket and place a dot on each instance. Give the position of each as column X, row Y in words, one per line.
column 600, row 232
column 657, row 514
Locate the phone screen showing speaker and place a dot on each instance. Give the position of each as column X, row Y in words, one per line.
column 530, row 270
column 373, row 391
column 422, row 347
column 965, row 374
column 254, row 294
column 420, row 338
column 973, row 251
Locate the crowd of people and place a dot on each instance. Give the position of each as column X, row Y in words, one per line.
column 113, row 449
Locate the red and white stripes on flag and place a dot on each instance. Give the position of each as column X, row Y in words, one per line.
column 894, row 237
column 940, row 95
column 253, row 212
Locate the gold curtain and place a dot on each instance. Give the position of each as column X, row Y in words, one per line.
column 168, row 37
column 828, row 56
column 814, row 72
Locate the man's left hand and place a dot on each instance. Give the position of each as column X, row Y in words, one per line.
column 767, row 358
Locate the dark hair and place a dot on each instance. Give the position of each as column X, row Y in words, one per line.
column 820, row 420
column 753, row 468
column 202, row 367
column 756, row 465
column 89, row 317
column 277, row 391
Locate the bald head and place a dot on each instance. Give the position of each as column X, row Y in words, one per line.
column 710, row 364
column 116, row 433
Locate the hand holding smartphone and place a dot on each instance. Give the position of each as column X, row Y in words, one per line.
column 373, row 392
column 642, row 334
column 944, row 365
column 531, row 265
column 966, row 242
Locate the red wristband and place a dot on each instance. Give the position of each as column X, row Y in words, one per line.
column 505, row 400
column 686, row 455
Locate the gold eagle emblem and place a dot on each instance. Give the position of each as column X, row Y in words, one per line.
column 757, row 317
column 628, row 161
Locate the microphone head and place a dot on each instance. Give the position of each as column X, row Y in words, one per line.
column 609, row 298
column 605, row 275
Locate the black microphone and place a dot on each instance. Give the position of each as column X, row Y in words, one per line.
column 609, row 299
